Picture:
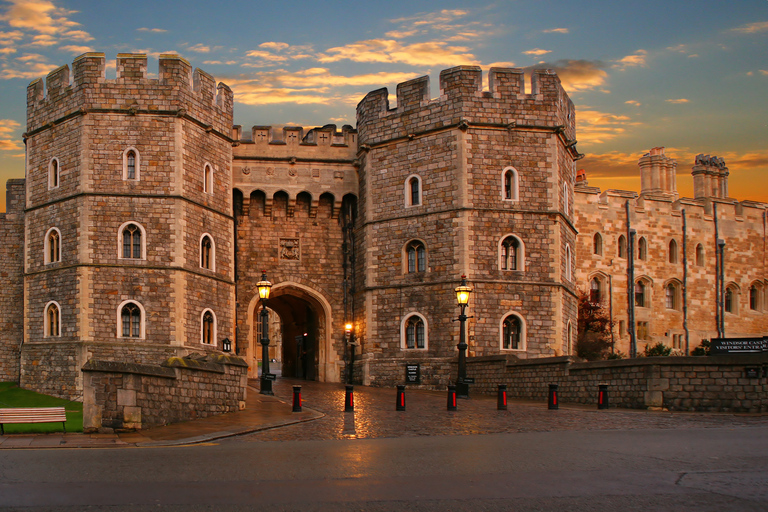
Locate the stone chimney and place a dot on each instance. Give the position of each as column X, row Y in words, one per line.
column 657, row 173
column 710, row 177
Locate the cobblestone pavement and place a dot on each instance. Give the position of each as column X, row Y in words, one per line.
column 426, row 415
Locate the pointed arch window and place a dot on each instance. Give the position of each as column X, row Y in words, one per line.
column 52, row 321
column 731, row 300
column 208, row 179
column 131, row 320
column 673, row 251
column 207, row 252
column 131, row 164
column 755, row 297
column 641, row 294
column 208, row 334
column 416, row 255
column 597, row 244
column 414, row 332
column 568, row 264
column 511, row 253
column 512, row 333
column 52, row 246
column 413, row 194
column 510, row 184
column 132, row 241
column 595, row 291
column 672, row 294
column 54, row 173
column 642, row 249
column 622, row 246
column 699, row 255
column 566, row 199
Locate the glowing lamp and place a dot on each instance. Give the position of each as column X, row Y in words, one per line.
column 462, row 292
column 264, row 286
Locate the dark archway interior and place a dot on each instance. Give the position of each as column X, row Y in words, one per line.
column 300, row 336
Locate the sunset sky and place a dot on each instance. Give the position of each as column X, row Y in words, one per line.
column 688, row 75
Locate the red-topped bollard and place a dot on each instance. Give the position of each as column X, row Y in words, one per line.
column 552, row 403
column 400, row 404
column 349, row 399
column 296, row 399
column 452, row 398
column 602, row 396
column 501, row 402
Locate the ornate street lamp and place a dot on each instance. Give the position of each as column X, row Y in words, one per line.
column 226, row 345
column 462, row 298
column 264, row 287
column 348, row 337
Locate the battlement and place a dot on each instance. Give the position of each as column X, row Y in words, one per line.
column 177, row 88
column 327, row 135
column 462, row 96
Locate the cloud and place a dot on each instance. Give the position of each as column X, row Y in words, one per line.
column 390, row 51
column 639, row 59
column 10, row 37
column 155, row 30
column 576, row 75
column 31, row 57
column 763, row 71
column 10, row 145
column 266, row 56
column 595, row 127
column 612, row 164
column 752, row 28
column 7, row 128
column 678, row 101
column 537, row 51
column 77, row 50
column 433, row 18
column 273, row 45
column 7, row 51
column 556, row 31
column 199, row 48
column 42, row 22
column 633, row 102
column 30, row 71
column 219, row 62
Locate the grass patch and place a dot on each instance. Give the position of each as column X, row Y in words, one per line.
column 11, row 395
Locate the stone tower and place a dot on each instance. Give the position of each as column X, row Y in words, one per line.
column 128, row 221
column 658, row 174
column 474, row 182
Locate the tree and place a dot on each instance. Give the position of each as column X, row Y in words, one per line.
column 593, row 339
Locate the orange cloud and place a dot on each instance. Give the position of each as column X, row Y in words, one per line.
column 576, row 75
column 752, row 28
column 199, row 48
column 640, row 58
column 274, row 45
column 556, row 31
column 155, row 30
column 633, row 102
column 678, row 101
column 537, row 51
column 77, row 50
column 390, row 51
column 595, row 127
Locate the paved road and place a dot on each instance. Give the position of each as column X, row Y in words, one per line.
column 703, row 469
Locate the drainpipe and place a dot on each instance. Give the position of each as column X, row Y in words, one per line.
column 631, row 285
column 610, row 311
column 717, row 271
column 721, row 297
column 685, row 284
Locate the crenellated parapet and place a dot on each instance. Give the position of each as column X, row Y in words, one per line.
column 463, row 101
column 178, row 90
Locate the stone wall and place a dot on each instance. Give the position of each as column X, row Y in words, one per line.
column 11, row 274
column 715, row 383
column 125, row 396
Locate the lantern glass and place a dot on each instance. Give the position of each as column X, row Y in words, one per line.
column 462, row 292
column 264, row 287
column 348, row 328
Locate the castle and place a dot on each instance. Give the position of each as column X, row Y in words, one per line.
column 146, row 219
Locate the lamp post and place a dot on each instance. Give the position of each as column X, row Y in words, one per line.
column 348, row 335
column 462, row 297
column 226, row 345
column 264, row 287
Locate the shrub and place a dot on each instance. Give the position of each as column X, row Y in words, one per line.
column 657, row 350
column 702, row 350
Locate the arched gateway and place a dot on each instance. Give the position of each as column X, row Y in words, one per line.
column 305, row 344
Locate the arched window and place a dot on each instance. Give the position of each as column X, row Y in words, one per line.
column 755, row 297
column 597, row 244
column 622, row 246
column 208, row 333
column 131, row 164
column 52, row 246
column 731, row 300
column 699, row 255
column 566, row 199
column 132, row 241
column 208, row 179
column 595, row 291
column 512, row 333
column 642, row 249
column 130, row 320
column 511, row 253
column 413, row 191
column 54, row 172
column 509, row 184
column 568, row 264
column 672, row 251
column 52, row 320
column 414, row 332
column 416, row 255
column 671, row 295
column 641, row 294
column 569, row 340
column 207, row 253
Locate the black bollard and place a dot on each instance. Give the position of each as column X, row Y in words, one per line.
column 296, row 399
column 349, row 400
column 552, row 397
column 501, row 404
column 452, row 398
column 400, row 404
column 602, row 396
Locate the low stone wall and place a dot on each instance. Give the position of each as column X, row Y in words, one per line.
column 436, row 373
column 130, row 396
column 735, row 383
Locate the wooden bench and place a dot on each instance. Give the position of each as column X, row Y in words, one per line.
column 32, row 415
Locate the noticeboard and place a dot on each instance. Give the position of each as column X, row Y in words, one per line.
column 739, row 345
column 413, row 373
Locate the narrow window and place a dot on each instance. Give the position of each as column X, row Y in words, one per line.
column 699, row 255
column 622, row 246
column 415, row 333
column 642, row 249
column 640, row 294
column 509, row 184
column 597, row 244
column 754, row 298
column 413, row 186
column 52, row 320
column 672, row 251
column 53, row 246
column 208, row 179
column 642, row 331
column 510, row 253
column 417, row 257
column 729, row 300
column 566, row 200
column 206, row 249
column 208, row 335
column 53, row 173
column 595, row 295
column 671, row 296
column 130, row 171
column 132, row 242
column 131, row 321
column 512, row 333
column 568, row 265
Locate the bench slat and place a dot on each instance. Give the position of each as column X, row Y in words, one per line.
column 33, row 415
